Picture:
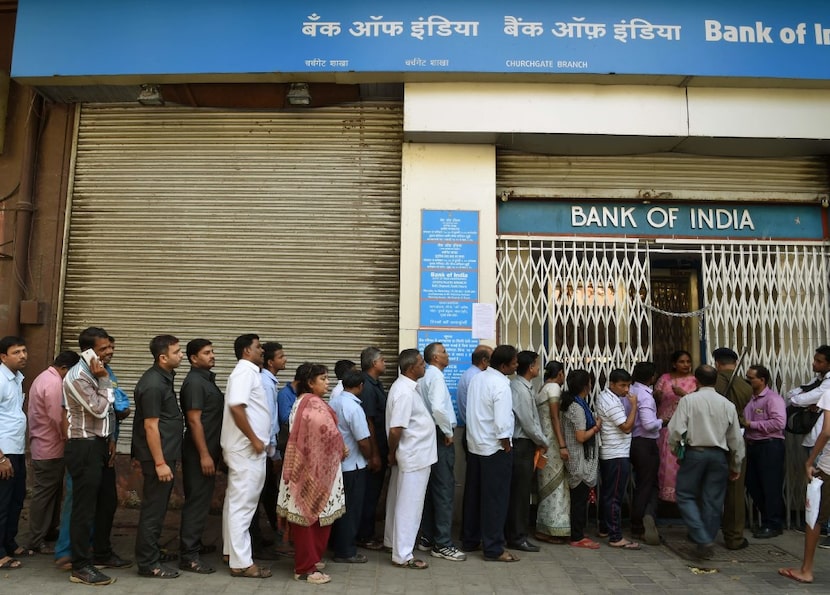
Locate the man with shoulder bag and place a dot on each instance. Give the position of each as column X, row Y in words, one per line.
column 803, row 415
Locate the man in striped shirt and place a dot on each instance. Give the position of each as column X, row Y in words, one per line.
column 89, row 398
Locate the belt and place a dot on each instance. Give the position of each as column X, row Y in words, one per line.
column 703, row 448
column 766, row 440
column 89, row 438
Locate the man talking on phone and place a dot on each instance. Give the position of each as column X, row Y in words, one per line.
column 89, row 399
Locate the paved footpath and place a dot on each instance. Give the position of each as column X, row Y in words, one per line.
column 556, row 569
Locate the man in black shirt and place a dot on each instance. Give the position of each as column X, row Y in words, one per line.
column 373, row 401
column 203, row 404
column 157, row 444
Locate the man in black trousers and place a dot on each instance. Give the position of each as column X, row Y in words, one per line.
column 157, row 444
column 203, row 405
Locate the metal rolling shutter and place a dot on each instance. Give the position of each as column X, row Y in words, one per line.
column 207, row 223
column 661, row 177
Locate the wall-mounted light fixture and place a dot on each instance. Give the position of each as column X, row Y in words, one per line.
column 150, row 95
column 298, row 94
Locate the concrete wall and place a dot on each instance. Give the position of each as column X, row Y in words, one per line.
column 640, row 110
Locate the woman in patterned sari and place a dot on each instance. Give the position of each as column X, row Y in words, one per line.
column 311, row 495
column 553, row 522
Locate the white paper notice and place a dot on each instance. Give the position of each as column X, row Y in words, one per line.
column 484, row 321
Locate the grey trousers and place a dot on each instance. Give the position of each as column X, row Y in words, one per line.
column 45, row 505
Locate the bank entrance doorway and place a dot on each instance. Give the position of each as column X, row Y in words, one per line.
column 676, row 312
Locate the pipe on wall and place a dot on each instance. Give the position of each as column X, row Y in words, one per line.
column 24, row 209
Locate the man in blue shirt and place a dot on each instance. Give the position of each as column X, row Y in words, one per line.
column 285, row 401
column 351, row 421
column 274, row 359
column 13, row 358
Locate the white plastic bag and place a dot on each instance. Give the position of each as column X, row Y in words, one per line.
column 813, row 501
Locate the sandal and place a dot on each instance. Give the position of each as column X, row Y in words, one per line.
column 159, row 571
column 22, row 551
column 505, row 557
column 624, row 544
column 11, row 564
column 64, row 563
column 790, row 574
column 588, row 544
column 196, row 566
column 43, row 549
column 315, row 578
column 253, row 571
column 370, row 544
column 413, row 563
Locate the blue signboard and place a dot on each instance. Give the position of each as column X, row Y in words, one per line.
column 739, row 38
column 459, row 346
column 698, row 220
column 449, row 268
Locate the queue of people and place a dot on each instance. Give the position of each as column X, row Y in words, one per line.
column 690, row 437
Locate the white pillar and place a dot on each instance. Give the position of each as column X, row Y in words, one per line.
column 450, row 177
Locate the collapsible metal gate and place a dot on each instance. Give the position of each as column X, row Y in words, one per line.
column 587, row 303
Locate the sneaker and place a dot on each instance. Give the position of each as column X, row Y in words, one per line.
column 89, row 575
column 825, row 543
column 423, row 544
column 448, row 552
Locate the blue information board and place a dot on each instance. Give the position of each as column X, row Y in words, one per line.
column 449, row 268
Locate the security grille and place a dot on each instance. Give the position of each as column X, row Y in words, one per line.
column 590, row 304
column 772, row 301
column 581, row 302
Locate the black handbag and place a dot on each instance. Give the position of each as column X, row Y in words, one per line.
column 800, row 420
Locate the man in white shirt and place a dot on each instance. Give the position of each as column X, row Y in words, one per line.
column 817, row 465
column 410, row 430
column 615, row 434
column 527, row 437
column 246, row 427
column 436, row 525
column 489, row 462
column 808, row 395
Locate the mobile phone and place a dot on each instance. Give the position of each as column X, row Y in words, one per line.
column 89, row 355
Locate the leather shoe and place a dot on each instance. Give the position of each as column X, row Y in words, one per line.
column 766, row 533
column 744, row 544
column 705, row 551
column 356, row 559
column 524, row 546
column 112, row 561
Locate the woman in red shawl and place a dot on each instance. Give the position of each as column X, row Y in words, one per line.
column 311, row 493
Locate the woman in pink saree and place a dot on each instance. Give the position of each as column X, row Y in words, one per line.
column 668, row 390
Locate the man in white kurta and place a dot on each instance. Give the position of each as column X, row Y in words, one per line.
column 245, row 434
column 412, row 451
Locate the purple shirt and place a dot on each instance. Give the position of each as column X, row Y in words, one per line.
column 766, row 414
column 646, row 424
